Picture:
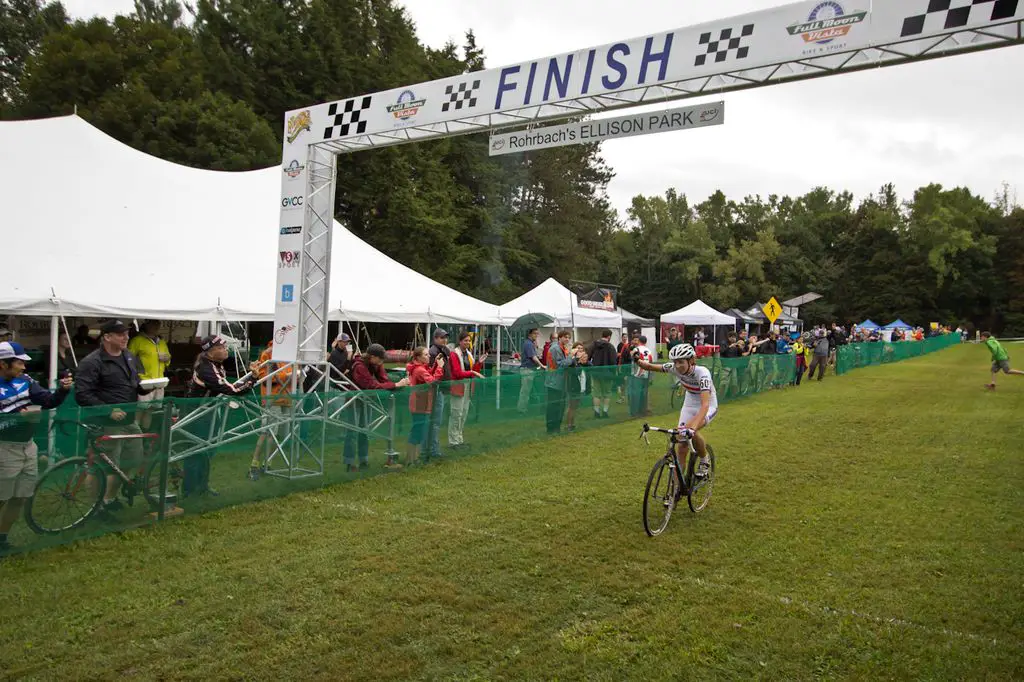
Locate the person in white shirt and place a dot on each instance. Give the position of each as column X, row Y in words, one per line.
column 640, row 378
column 700, row 405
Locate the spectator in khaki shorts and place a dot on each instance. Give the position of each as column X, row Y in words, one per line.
column 154, row 356
column 18, row 453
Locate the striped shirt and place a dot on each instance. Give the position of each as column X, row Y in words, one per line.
column 696, row 382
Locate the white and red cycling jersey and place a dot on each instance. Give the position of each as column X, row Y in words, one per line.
column 697, row 381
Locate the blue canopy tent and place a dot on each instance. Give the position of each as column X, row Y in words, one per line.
column 898, row 324
column 868, row 324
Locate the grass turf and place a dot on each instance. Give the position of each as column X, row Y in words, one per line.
column 866, row 526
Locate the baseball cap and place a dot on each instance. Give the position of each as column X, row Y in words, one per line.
column 440, row 334
column 376, row 350
column 343, row 338
column 113, row 327
column 211, row 341
column 9, row 350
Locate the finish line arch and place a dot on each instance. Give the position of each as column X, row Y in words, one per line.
column 792, row 42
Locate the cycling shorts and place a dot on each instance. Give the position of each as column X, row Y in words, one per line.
column 688, row 413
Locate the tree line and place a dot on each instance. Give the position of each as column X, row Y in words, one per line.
column 205, row 84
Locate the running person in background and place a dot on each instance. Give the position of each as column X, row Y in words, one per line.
column 701, row 402
column 1000, row 359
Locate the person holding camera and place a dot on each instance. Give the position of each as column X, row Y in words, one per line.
column 19, row 456
column 438, row 349
column 556, row 382
column 640, row 378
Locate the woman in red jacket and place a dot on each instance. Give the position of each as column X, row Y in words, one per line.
column 463, row 368
column 421, row 400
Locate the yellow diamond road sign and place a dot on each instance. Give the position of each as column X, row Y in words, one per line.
column 772, row 310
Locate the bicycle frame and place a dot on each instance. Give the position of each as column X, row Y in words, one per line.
column 684, row 476
column 95, row 448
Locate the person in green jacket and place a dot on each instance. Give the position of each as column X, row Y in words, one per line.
column 153, row 355
column 1000, row 359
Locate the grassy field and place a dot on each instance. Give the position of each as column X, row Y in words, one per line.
column 869, row 526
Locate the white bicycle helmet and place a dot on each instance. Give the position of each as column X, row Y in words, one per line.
column 683, row 351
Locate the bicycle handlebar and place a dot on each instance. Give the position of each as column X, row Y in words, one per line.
column 684, row 432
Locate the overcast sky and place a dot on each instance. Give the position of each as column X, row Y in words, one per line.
column 955, row 121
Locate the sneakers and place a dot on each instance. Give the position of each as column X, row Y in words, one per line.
column 113, row 506
column 254, row 473
column 703, row 467
column 990, row 387
column 363, row 466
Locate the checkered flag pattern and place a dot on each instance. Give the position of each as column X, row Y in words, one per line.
column 348, row 118
column 463, row 97
column 728, row 41
column 947, row 14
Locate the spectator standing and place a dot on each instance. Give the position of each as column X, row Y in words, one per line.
column 529, row 363
column 19, row 456
column 673, row 338
column 154, row 357
column 209, row 378
column 640, row 378
column 553, row 339
column 421, row 399
column 463, row 370
column 82, row 337
column 368, row 374
column 110, row 376
column 801, row 361
column 578, row 383
column 6, row 335
column 603, row 358
column 820, row 355
column 559, row 360
column 699, row 337
column 439, row 349
column 624, row 360
column 275, row 387
column 66, row 365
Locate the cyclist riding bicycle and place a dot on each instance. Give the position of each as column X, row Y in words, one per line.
column 701, row 402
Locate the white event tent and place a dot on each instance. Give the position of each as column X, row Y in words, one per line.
column 553, row 299
column 701, row 314
column 106, row 230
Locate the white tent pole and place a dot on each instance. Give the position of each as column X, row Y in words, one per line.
column 497, row 370
column 54, row 329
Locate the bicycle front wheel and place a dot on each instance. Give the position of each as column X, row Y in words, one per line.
column 700, row 491
column 660, row 497
column 66, row 496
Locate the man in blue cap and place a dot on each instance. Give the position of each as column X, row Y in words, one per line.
column 19, row 456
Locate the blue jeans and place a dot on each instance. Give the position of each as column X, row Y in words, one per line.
column 357, row 417
column 636, row 389
column 435, row 423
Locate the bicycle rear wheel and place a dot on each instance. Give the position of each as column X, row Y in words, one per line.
column 659, row 497
column 700, row 491
column 151, row 482
column 66, row 496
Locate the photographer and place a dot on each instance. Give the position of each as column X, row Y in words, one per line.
column 556, row 382
column 209, row 378
column 438, row 349
column 19, row 455
column 639, row 379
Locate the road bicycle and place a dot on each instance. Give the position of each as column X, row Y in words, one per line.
column 72, row 490
column 666, row 486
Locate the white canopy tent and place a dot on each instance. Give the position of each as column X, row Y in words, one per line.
column 110, row 231
column 699, row 313
column 555, row 300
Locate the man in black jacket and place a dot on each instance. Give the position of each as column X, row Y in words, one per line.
column 604, row 356
column 110, row 376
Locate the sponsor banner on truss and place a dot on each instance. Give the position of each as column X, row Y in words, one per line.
column 290, row 235
column 586, row 132
column 597, row 78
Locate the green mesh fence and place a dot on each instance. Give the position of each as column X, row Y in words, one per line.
column 857, row 355
column 173, row 471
